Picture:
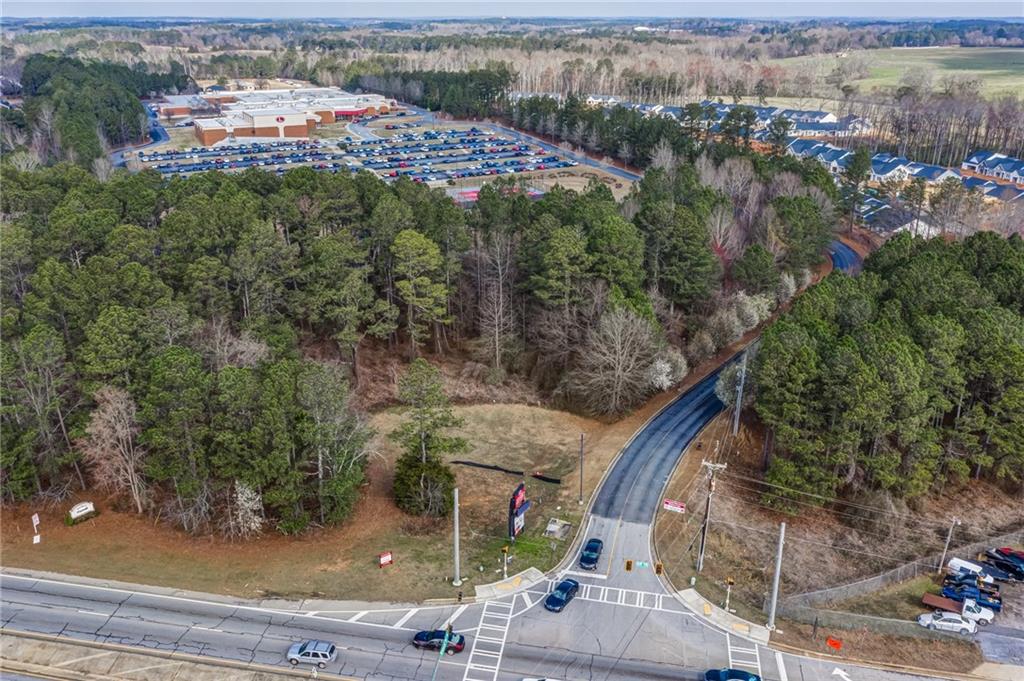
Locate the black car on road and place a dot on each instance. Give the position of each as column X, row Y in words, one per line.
column 433, row 640
column 560, row 597
column 591, row 553
column 730, row 675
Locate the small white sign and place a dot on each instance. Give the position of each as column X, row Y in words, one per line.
column 35, row 522
column 36, row 539
column 674, row 506
column 82, row 509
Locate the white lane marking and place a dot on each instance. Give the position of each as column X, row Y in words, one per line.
column 592, row 575
column 455, row 615
column 94, row 614
column 82, row 659
column 781, row 664
column 356, row 617
column 405, row 618
column 219, row 631
column 529, row 603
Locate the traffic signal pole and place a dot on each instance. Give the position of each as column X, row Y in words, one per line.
column 457, row 581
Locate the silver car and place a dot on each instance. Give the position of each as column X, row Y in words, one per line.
column 947, row 621
column 312, row 652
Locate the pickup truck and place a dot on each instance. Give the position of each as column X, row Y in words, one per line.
column 965, row 591
column 969, row 609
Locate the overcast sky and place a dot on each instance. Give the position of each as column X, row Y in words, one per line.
column 401, row 9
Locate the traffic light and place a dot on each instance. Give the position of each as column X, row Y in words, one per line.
column 730, row 581
column 629, row 565
column 504, row 549
column 659, row 567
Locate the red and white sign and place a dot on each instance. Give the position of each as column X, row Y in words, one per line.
column 385, row 558
column 674, row 506
column 35, row 522
column 279, row 119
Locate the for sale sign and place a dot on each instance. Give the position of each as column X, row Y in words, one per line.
column 385, row 559
column 674, row 506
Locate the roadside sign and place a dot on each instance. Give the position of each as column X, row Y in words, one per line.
column 385, row 559
column 642, row 564
column 35, row 522
column 834, row 643
column 674, row 506
column 35, row 539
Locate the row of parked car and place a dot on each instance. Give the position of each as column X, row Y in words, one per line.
column 970, row 595
column 232, row 150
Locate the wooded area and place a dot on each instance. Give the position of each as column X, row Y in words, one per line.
column 902, row 379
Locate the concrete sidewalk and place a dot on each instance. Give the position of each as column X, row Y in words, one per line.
column 721, row 619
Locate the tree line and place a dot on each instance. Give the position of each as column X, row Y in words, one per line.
column 902, row 379
column 77, row 111
column 155, row 329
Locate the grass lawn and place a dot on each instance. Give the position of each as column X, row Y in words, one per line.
column 900, row 601
column 1001, row 70
column 342, row 562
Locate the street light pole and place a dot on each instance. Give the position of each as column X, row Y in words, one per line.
column 775, row 577
column 581, row 470
column 457, row 581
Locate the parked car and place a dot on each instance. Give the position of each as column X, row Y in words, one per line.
column 433, row 640
column 1006, row 555
column 961, row 578
column 1011, row 570
column 947, row 621
column 958, row 565
column 312, row 652
column 591, row 553
column 560, row 597
column 730, row 675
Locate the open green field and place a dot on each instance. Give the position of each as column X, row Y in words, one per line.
column 1001, row 70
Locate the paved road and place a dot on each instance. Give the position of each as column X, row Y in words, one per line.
column 157, row 135
column 621, row 627
column 844, row 258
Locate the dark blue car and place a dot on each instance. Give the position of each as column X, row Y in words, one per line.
column 560, row 597
column 730, row 675
column 590, row 554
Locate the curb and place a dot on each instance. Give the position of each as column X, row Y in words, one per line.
column 150, row 652
column 882, row 666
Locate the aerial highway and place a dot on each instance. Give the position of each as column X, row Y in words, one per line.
column 621, row 626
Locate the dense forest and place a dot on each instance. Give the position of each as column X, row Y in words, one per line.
column 903, row 378
column 77, row 111
column 156, row 332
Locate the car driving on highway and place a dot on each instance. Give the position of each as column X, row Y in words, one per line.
column 433, row 640
column 730, row 675
column 312, row 652
column 591, row 553
column 560, row 597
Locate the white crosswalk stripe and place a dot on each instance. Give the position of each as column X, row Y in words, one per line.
column 489, row 642
column 628, row 598
column 743, row 653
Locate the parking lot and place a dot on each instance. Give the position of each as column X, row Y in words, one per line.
column 430, row 156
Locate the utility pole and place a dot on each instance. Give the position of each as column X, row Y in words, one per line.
column 457, row 581
column 949, row 537
column 581, row 469
column 775, row 577
column 739, row 396
column 713, row 468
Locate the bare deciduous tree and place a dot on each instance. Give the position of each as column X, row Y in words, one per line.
column 612, row 373
column 224, row 348
column 497, row 321
column 110, row 448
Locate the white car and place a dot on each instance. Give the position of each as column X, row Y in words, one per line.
column 947, row 621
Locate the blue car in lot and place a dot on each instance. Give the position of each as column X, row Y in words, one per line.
column 730, row 675
column 560, row 597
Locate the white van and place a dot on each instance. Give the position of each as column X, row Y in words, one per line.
column 958, row 565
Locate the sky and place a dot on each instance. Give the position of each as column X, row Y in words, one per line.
column 403, row 9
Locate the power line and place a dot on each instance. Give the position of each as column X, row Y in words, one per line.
column 826, row 545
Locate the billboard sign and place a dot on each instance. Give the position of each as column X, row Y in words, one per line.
column 517, row 506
